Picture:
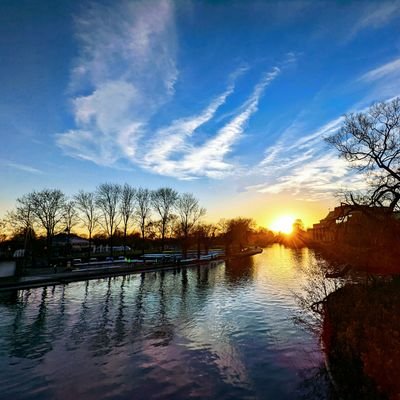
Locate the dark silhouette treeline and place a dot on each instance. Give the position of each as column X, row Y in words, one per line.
column 48, row 227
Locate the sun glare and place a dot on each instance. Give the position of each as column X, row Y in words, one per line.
column 283, row 224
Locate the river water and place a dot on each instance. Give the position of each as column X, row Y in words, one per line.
column 222, row 331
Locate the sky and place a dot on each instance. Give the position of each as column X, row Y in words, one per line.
column 229, row 100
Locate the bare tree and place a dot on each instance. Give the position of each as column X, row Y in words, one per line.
column 370, row 141
column 21, row 221
column 70, row 216
column 3, row 230
column 163, row 201
column 189, row 213
column 70, row 219
column 107, row 200
column 127, row 208
column 86, row 205
column 47, row 207
column 143, row 211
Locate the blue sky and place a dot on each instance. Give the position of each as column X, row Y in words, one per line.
column 228, row 100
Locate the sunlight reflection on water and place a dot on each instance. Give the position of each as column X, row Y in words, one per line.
column 222, row 331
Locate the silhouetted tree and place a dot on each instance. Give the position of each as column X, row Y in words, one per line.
column 107, row 200
column 47, row 207
column 3, row 227
column 86, row 205
column 70, row 216
column 70, row 219
column 143, row 211
column 163, row 201
column 22, row 219
column 298, row 226
column 204, row 234
column 189, row 213
column 370, row 141
column 237, row 233
column 262, row 237
column 127, row 208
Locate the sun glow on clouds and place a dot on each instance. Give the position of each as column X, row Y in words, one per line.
column 303, row 165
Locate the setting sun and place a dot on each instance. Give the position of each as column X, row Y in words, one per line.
column 283, row 224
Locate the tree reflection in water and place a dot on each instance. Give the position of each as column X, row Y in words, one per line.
column 224, row 327
column 357, row 320
column 313, row 294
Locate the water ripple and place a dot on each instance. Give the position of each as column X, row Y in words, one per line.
column 223, row 332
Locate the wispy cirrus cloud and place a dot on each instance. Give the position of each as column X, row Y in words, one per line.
column 125, row 73
column 302, row 165
column 172, row 139
column 376, row 15
column 127, row 63
column 382, row 82
column 22, row 167
column 373, row 15
column 114, row 119
column 388, row 69
column 208, row 158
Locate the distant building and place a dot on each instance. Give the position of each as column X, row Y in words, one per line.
column 353, row 224
column 77, row 243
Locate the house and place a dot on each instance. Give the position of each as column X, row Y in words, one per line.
column 77, row 243
column 353, row 225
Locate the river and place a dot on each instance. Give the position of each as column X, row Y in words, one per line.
column 222, row 331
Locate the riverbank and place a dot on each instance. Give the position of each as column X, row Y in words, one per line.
column 361, row 338
column 382, row 260
column 101, row 271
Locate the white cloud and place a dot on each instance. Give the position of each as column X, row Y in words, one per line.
column 127, row 61
column 172, row 139
column 374, row 15
column 302, row 165
column 390, row 68
column 378, row 14
column 207, row 159
column 108, row 107
column 130, row 40
column 210, row 156
column 23, row 167
column 125, row 72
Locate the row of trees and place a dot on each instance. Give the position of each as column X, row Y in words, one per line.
column 115, row 212
column 110, row 207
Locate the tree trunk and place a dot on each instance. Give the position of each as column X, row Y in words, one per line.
column 185, row 246
column 125, row 242
column 143, row 244
column 198, row 247
column 90, row 245
column 163, row 240
column 48, row 242
column 111, row 244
